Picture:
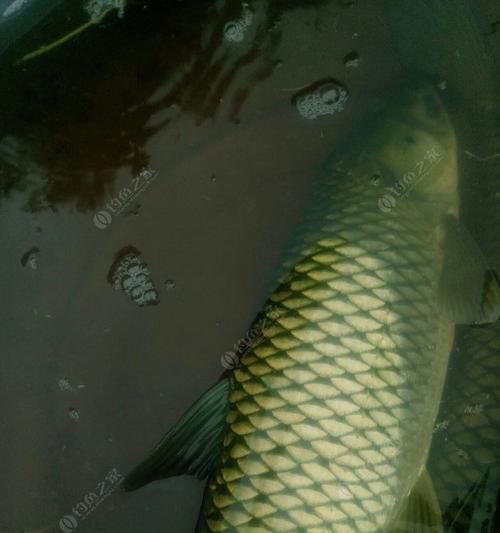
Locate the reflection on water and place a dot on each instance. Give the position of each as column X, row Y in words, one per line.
column 203, row 93
column 132, row 80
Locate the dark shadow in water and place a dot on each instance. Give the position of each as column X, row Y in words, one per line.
column 71, row 117
column 475, row 511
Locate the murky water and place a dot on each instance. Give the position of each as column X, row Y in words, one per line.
column 162, row 156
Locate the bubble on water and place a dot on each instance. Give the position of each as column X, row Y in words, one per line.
column 322, row 98
column 65, row 385
column 97, row 8
column 30, row 258
column 130, row 274
column 235, row 30
column 74, row 414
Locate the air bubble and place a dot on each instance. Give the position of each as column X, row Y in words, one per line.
column 131, row 275
column 235, row 30
column 321, row 98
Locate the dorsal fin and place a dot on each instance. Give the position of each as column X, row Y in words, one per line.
column 192, row 445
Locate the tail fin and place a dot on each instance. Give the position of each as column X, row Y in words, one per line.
column 442, row 40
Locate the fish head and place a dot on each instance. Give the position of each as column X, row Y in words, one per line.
column 415, row 146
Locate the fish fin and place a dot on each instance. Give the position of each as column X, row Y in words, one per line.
column 421, row 512
column 469, row 289
column 191, row 446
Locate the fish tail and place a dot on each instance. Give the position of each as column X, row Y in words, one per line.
column 442, row 40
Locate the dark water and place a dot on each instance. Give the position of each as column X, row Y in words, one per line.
column 89, row 379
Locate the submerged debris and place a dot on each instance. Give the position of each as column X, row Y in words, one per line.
column 324, row 97
column 95, row 9
column 352, row 60
column 234, row 30
column 30, row 258
column 131, row 275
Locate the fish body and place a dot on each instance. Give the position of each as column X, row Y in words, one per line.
column 330, row 417
column 327, row 422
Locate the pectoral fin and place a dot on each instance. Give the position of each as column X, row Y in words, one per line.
column 421, row 513
column 191, row 446
column 469, row 289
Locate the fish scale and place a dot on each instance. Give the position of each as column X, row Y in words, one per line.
column 330, row 416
